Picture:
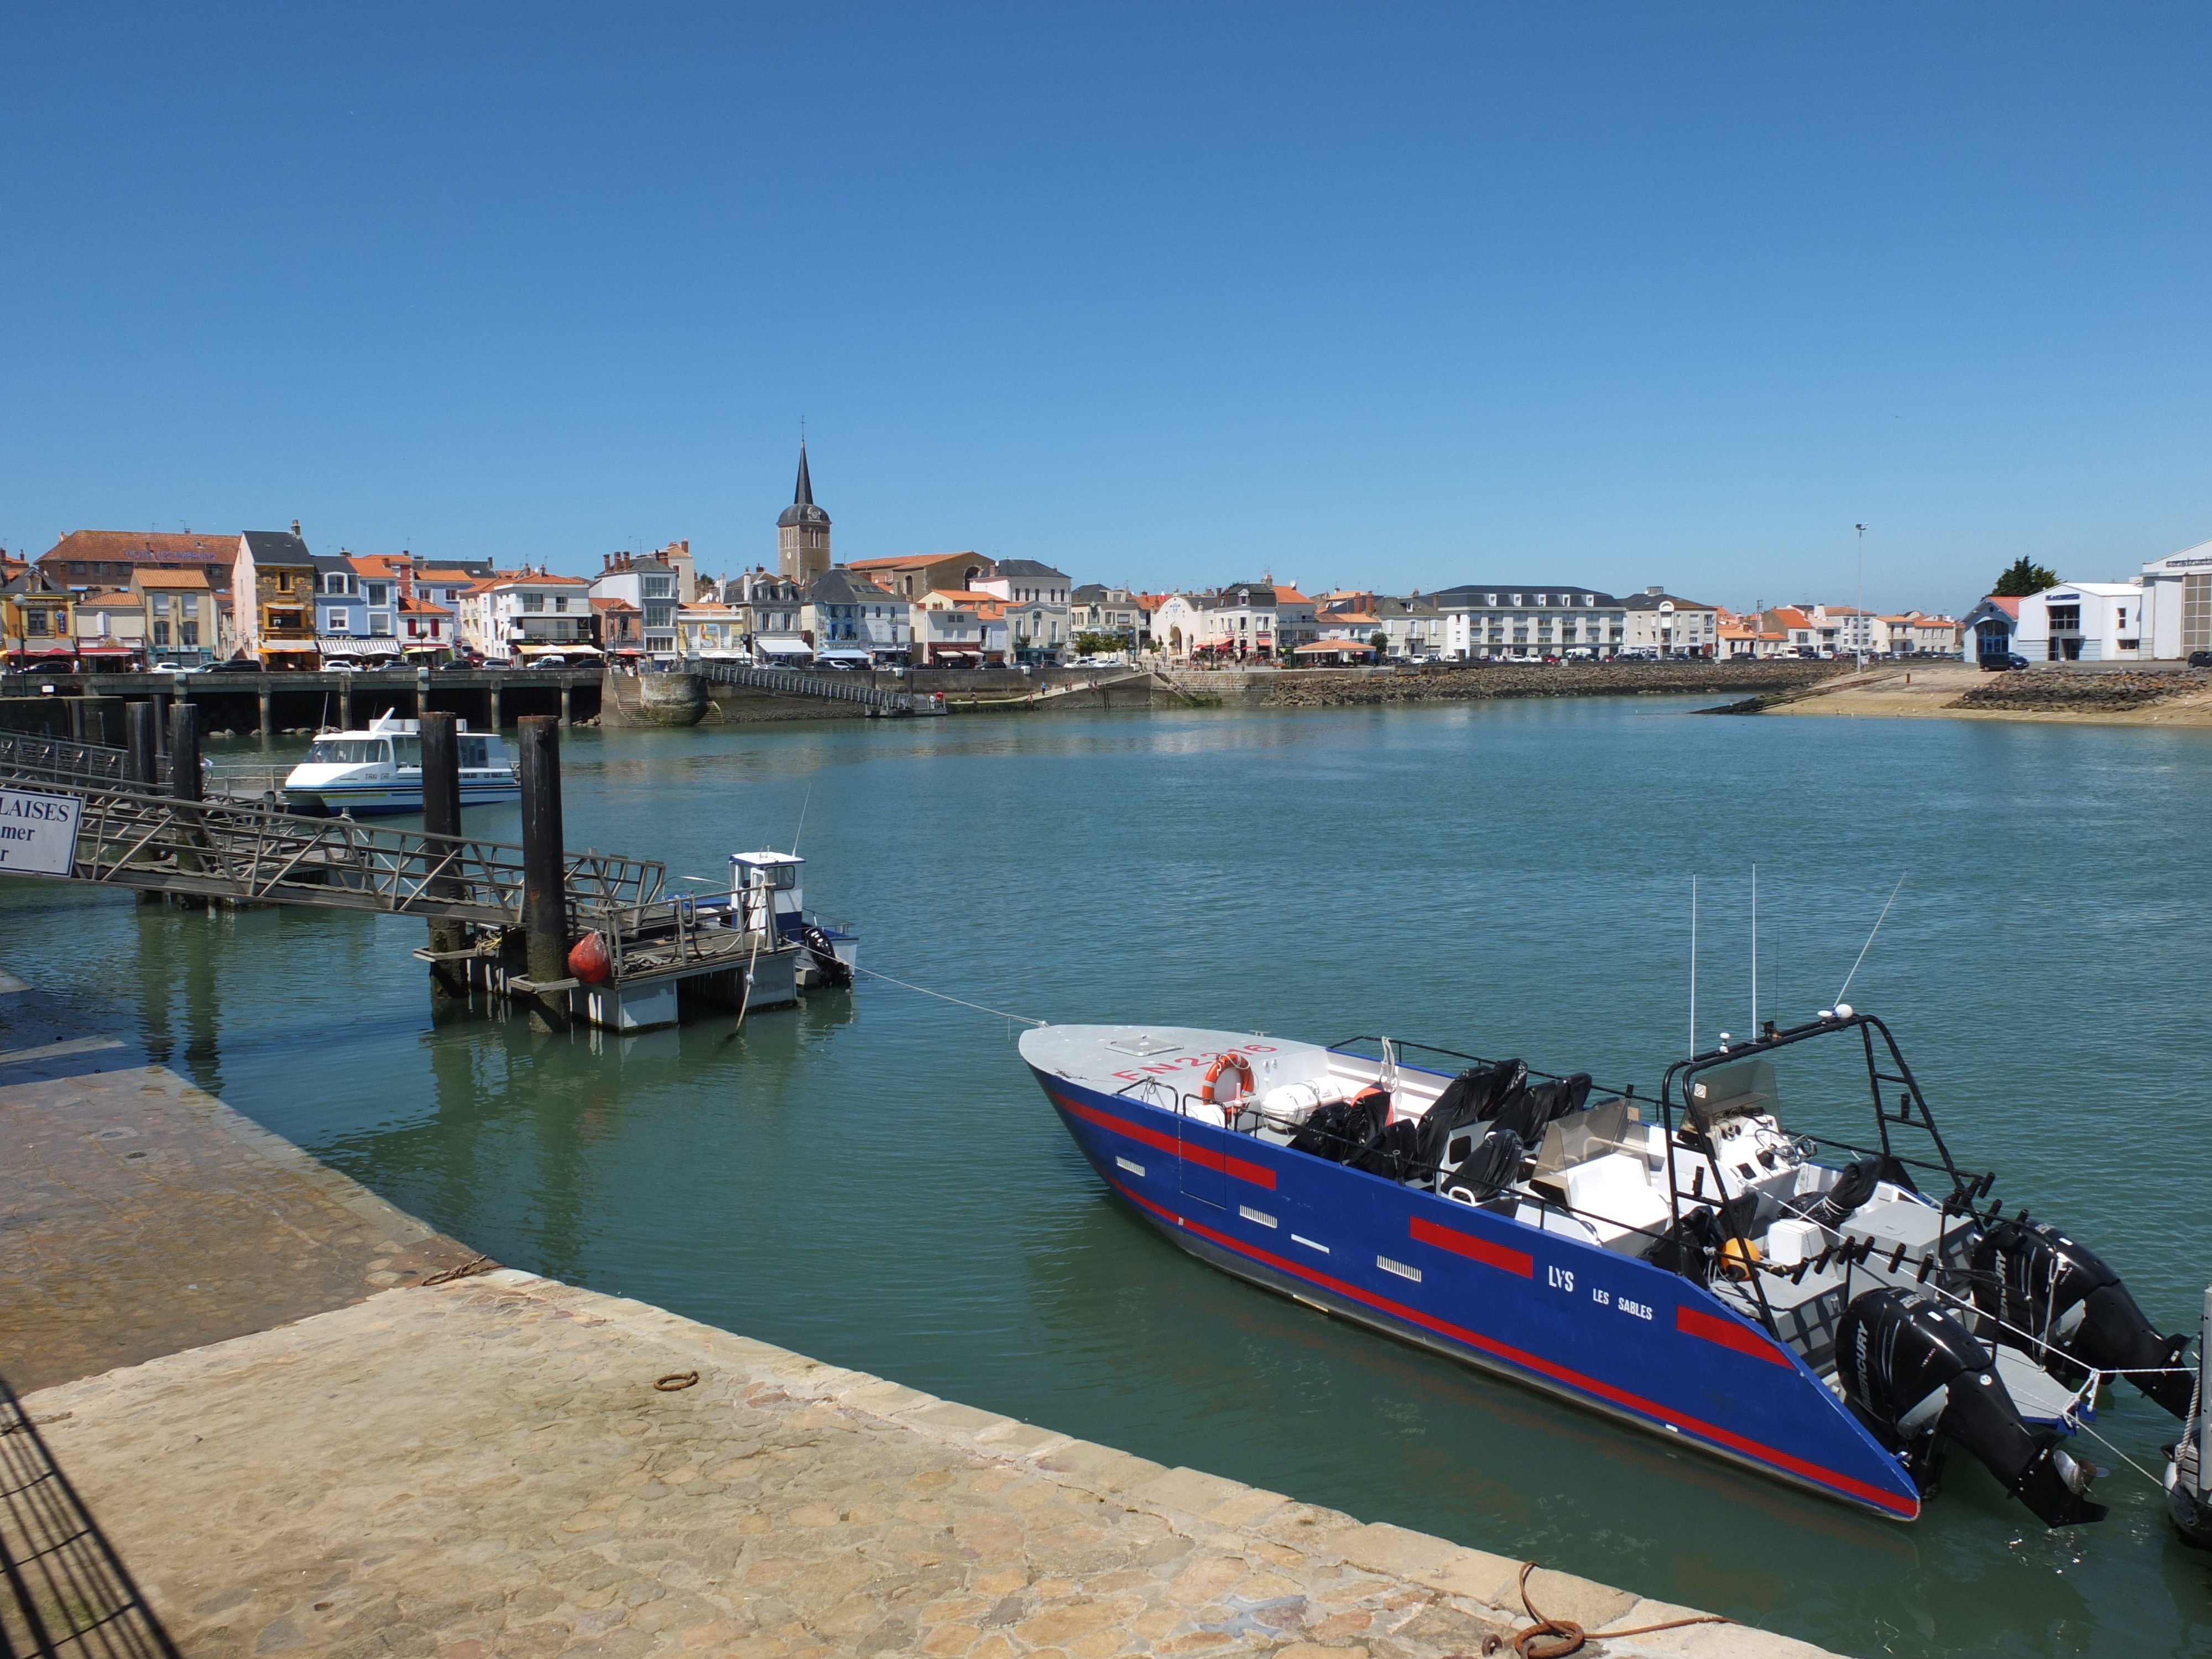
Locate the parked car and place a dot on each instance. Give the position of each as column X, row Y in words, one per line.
column 237, row 665
column 554, row 660
column 2200, row 659
column 168, row 668
column 1999, row 665
column 453, row 664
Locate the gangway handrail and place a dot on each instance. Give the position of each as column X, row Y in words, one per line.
column 247, row 851
column 24, row 754
column 793, row 683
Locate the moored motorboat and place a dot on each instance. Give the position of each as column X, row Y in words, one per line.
column 1836, row 1312
column 378, row 770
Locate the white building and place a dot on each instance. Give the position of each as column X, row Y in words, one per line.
column 518, row 614
column 1660, row 624
column 1036, row 600
column 1515, row 619
column 2083, row 622
column 651, row 584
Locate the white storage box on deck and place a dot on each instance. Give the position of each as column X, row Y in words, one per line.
column 1793, row 1241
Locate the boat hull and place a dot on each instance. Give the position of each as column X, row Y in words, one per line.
column 382, row 798
column 1607, row 1332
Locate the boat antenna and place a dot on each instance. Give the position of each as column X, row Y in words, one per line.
column 801, row 831
column 1869, row 946
column 1693, row 966
column 1754, row 949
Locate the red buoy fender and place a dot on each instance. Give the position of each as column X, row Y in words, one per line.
column 589, row 960
column 1228, row 1062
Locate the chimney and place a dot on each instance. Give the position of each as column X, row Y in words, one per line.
column 1654, row 590
column 295, row 526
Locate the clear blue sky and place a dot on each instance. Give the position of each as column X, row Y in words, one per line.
column 1379, row 295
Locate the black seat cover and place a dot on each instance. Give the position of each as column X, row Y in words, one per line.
column 1491, row 1167
column 1344, row 1129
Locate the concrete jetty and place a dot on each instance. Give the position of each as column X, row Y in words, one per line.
column 312, row 1425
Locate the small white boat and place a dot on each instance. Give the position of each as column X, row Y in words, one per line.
column 381, row 771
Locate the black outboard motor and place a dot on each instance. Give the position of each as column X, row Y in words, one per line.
column 2042, row 1283
column 1917, row 1377
column 825, row 957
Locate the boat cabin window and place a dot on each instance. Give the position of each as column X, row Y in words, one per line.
column 408, row 751
column 781, row 876
column 346, row 752
column 472, row 752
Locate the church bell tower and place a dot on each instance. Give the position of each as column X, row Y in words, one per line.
column 802, row 534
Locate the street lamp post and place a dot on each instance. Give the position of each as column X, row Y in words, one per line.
column 1858, row 622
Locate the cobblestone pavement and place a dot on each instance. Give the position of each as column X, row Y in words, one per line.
column 487, row 1467
column 141, row 1215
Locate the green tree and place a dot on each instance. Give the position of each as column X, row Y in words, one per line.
column 2023, row 576
column 1099, row 645
column 1380, row 642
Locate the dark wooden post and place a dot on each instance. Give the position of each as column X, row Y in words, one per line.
column 185, row 782
column 544, row 863
column 143, row 767
column 442, row 815
column 184, row 750
column 76, row 718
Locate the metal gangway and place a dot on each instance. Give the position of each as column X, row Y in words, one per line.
column 837, row 688
column 249, row 853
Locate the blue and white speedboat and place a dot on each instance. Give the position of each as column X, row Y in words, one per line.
column 381, row 771
column 1835, row 1312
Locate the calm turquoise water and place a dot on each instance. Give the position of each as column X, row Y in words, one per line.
column 877, row 1182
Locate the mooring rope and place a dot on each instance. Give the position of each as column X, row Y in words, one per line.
column 999, row 1013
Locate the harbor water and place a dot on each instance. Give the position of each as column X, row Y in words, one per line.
column 873, row 1179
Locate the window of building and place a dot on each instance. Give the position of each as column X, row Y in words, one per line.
column 380, row 626
column 533, row 601
column 379, row 593
column 659, row 587
column 161, row 632
column 2065, row 618
column 161, row 604
column 560, row 601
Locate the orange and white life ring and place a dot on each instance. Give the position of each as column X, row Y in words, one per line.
column 1228, row 1062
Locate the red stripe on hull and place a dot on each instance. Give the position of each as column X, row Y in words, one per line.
column 1475, row 1250
column 1258, row 1173
column 1695, row 1322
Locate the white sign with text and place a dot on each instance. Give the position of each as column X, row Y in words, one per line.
column 38, row 832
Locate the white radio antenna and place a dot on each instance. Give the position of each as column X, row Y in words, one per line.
column 1869, row 946
column 1694, row 965
column 803, row 801
column 1755, row 950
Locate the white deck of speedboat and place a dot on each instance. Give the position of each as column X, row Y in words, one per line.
column 1113, row 1058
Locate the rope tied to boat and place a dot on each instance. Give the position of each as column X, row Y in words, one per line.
column 999, row 1013
column 1555, row 1638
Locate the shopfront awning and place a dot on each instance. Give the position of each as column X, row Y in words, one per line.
column 105, row 650
column 352, row 645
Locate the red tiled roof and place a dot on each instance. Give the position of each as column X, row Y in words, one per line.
column 193, row 579
column 140, row 546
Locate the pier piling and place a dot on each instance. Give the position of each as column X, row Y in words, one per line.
column 268, row 715
column 545, row 866
column 142, row 767
column 442, row 815
column 184, row 750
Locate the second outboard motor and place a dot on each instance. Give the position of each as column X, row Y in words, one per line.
column 2042, row 1283
column 1919, row 1378
column 825, row 957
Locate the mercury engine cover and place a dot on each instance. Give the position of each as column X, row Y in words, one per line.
column 2036, row 1279
column 825, row 957
column 1918, row 1378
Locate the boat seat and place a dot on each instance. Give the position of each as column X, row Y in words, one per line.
column 1582, row 1135
column 1613, row 1194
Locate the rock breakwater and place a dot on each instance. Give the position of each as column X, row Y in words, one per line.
column 2061, row 693
column 1478, row 681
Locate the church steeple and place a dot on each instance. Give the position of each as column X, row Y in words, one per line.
column 802, row 534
